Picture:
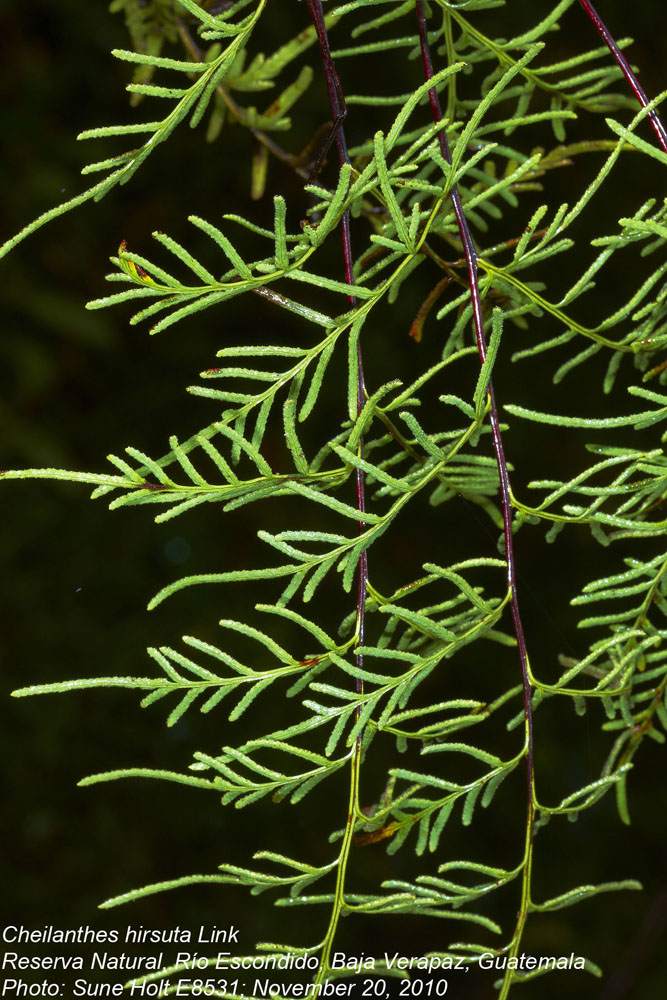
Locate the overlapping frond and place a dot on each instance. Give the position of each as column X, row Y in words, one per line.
column 413, row 445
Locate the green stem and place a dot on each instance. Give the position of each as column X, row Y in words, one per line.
column 339, row 904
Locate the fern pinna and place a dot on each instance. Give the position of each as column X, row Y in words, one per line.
column 429, row 187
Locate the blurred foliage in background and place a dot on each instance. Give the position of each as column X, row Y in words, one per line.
column 76, row 384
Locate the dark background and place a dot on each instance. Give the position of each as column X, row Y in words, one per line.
column 76, row 385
